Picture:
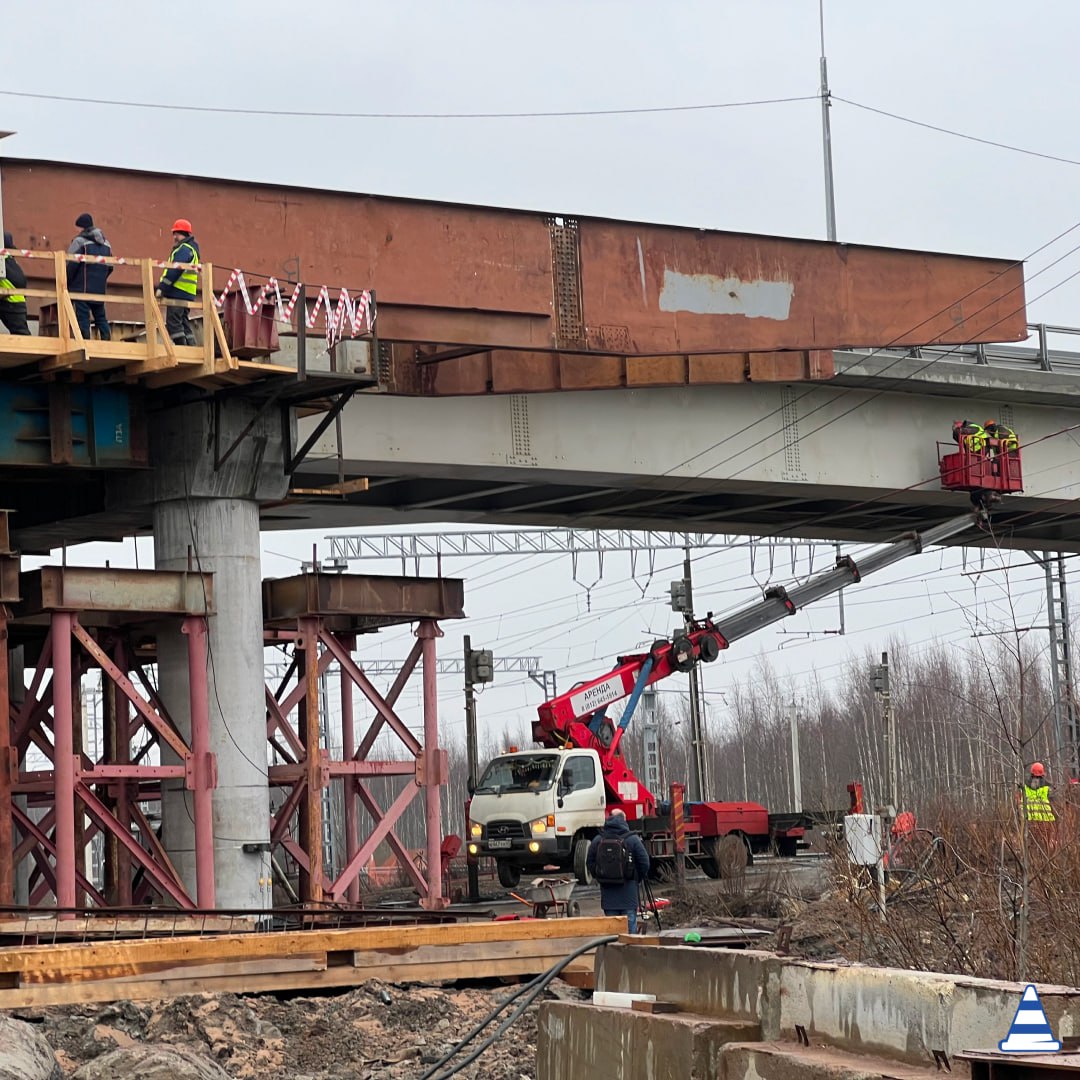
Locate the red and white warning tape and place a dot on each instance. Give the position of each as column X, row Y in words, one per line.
column 358, row 313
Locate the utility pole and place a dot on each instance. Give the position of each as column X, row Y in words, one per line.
column 826, row 133
column 1066, row 721
column 682, row 600
column 882, row 689
column 796, row 760
column 479, row 668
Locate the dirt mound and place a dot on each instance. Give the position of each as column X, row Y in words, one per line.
column 375, row 1032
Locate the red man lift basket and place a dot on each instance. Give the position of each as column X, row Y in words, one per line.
column 968, row 470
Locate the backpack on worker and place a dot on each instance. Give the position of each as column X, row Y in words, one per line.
column 614, row 861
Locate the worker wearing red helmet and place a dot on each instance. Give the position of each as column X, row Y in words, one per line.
column 1041, row 821
column 181, row 282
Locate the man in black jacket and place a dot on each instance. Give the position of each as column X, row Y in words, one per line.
column 13, row 306
column 89, row 277
column 619, row 897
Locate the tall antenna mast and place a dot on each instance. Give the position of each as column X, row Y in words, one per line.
column 826, row 132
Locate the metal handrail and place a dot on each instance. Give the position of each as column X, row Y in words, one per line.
column 1042, row 356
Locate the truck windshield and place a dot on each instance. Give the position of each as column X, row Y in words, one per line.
column 532, row 773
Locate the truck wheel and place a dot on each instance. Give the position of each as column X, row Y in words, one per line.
column 509, row 874
column 725, row 856
column 733, row 855
column 708, row 862
column 581, row 855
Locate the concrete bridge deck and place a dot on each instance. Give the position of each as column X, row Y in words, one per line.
column 851, row 459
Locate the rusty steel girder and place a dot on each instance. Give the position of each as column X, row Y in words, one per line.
column 463, row 291
column 357, row 603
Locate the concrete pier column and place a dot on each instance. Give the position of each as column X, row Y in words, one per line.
column 206, row 516
column 223, row 535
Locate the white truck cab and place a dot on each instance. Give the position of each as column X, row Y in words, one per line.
column 537, row 808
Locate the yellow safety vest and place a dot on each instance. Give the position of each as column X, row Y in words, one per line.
column 1037, row 803
column 1007, row 438
column 188, row 281
column 975, row 441
column 13, row 298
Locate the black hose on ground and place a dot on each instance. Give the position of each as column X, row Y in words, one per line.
column 530, row 992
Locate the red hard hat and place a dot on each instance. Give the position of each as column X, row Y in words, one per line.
column 1037, row 769
column 181, row 225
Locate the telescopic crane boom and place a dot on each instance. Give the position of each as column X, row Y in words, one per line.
column 579, row 716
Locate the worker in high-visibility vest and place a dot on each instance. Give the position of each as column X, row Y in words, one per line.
column 1002, row 437
column 181, row 282
column 13, row 305
column 969, row 436
column 1041, row 820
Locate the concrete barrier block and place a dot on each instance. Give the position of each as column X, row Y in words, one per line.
column 729, row 984
column 577, row 1040
column 906, row 1015
column 772, row 1061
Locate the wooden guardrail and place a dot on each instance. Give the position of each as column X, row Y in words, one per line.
column 132, row 286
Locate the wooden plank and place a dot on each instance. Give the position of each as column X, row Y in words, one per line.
column 84, row 958
column 209, row 318
column 230, row 969
column 346, row 487
column 155, row 325
column 273, row 975
column 104, row 924
column 332, row 977
column 479, row 952
column 68, row 326
column 28, row 349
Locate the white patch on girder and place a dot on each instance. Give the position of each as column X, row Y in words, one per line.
column 707, row 294
column 641, row 267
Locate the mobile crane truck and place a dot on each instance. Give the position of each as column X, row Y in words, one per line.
column 533, row 809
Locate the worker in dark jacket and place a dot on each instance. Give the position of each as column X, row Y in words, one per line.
column 13, row 305
column 89, row 277
column 181, row 282
column 619, row 897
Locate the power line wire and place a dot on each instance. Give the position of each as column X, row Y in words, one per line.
column 334, row 115
column 956, row 134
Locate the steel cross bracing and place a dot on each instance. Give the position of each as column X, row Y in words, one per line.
column 445, row 665
column 573, row 542
column 704, row 639
column 455, row 665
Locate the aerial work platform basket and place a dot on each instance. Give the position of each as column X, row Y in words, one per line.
column 982, row 470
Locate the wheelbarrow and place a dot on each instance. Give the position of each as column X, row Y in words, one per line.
column 550, row 895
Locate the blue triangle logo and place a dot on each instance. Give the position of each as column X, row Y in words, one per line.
column 1030, row 1032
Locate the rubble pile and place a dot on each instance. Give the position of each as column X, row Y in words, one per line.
column 375, row 1032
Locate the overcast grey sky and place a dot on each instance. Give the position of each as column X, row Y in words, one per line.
column 992, row 69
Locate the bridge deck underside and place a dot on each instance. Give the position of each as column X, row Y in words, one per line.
column 413, row 500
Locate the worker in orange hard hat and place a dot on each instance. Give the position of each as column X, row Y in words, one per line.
column 1002, row 437
column 181, row 282
column 1001, row 440
column 1041, row 820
